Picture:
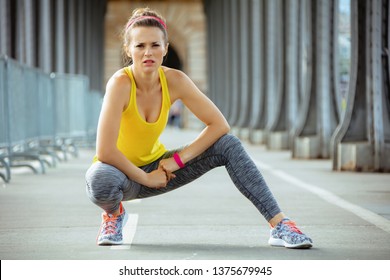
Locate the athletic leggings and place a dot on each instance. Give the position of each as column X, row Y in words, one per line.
column 107, row 186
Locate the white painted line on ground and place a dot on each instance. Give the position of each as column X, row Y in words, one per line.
column 128, row 233
column 133, row 201
column 361, row 212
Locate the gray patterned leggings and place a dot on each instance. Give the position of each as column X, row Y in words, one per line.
column 107, row 186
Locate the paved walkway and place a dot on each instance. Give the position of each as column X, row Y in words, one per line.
column 49, row 217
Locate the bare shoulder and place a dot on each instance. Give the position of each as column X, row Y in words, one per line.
column 119, row 81
column 118, row 89
column 178, row 83
column 173, row 75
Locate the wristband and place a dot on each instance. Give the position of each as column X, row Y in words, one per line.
column 178, row 160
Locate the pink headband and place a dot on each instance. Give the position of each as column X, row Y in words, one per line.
column 145, row 17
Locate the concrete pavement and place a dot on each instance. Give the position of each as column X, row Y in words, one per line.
column 49, row 217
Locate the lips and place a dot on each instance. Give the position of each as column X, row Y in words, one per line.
column 148, row 61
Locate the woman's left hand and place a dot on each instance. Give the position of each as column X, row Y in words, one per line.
column 169, row 165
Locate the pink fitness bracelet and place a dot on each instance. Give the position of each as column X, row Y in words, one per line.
column 178, row 160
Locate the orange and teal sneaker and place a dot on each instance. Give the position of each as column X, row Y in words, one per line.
column 286, row 234
column 110, row 232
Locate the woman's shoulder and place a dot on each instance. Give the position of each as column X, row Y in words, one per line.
column 176, row 79
column 120, row 76
column 118, row 89
column 173, row 74
column 119, row 80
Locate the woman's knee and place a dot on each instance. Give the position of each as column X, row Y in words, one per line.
column 103, row 180
column 228, row 142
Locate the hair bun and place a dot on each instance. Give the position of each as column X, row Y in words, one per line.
column 144, row 12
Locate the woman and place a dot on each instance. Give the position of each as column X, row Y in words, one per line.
column 132, row 163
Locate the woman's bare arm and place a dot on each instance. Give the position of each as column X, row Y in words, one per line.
column 203, row 108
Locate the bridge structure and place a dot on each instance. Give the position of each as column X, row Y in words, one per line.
column 274, row 72
column 271, row 66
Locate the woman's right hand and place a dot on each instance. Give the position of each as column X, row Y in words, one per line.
column 156, row 179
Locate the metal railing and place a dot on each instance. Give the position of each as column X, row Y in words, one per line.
column 43, row 117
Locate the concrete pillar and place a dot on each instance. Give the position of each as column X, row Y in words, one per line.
column 257, row 70
column 5, row 27
column 268, row 21
column 72, row 35
column 211, row 60
column 245, row 94
column 227, row 50
column 217, row 58
column 305, row 62
column 20, row 38
column 30, row 33
column 277, row 133
column 362, row 140
column 291, row 65
column 235, row 67
column 223, row 56
column 94, row 40
column 271, row 33
column 81, row 38
column 60, row 37
column 318, row 115
column 229, row 84
column 45, row 26
column 335, row 69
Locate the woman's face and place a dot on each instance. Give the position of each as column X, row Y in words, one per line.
column 147, row 48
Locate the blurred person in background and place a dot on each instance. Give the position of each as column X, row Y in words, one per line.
column 175, row 114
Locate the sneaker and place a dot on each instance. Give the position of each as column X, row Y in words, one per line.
column 286, row 234
column 110, row 232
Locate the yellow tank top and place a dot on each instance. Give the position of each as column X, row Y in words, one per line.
column 138, row 139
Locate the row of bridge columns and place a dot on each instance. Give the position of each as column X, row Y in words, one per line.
column 273, row 71
column 63, row 36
